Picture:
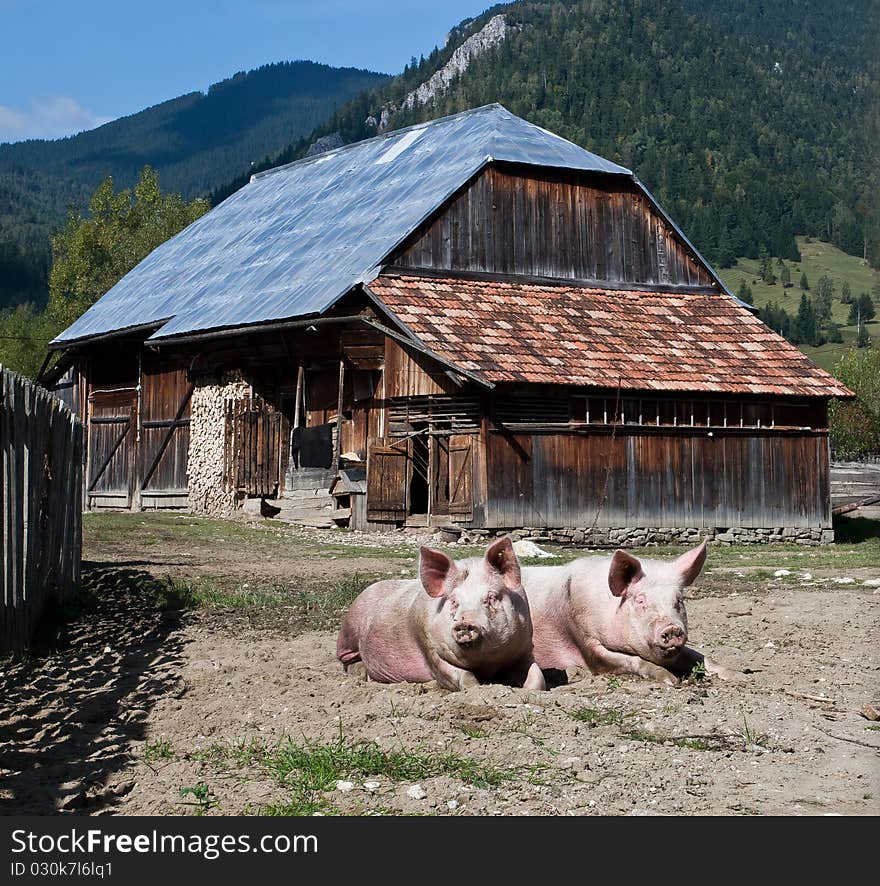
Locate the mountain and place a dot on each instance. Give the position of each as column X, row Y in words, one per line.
column 195, row 142
column 751, row 121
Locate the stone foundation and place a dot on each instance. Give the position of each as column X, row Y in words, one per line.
column 634, row 538
column 208, row 493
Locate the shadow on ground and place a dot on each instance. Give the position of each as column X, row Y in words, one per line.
column 68, row 717
column 853, row 530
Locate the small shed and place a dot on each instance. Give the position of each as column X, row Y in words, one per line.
column 469, row 323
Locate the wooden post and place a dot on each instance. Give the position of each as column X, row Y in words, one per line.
column 339, row 411
column 297, row 416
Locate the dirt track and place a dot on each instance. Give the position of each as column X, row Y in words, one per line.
column 145, row 702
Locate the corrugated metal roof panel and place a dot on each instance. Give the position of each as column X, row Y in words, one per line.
column 297, row 238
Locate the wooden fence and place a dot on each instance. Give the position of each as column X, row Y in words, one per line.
column 40, row 505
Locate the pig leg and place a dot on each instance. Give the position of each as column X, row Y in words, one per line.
column 601, row 659
column 534, row 678
column 356, row 669
column 524, row 672
column 689, row 657
column 451, row 677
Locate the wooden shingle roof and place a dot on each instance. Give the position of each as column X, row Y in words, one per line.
column 564, row 334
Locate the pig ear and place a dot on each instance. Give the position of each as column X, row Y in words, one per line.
column 502, row 558
column 625, row 570
column 688, row 565
column 435, row 568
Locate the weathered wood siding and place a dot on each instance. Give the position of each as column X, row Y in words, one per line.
column 546, row 224
column 750, row 479
column 408, row 374
column 40, row 506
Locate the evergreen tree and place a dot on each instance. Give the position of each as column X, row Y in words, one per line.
column 846, row 293
column 805, row 284
column 822, row 299
column 777, row 318
column 861, row 310
column 744, row 293
column 806, row 327
column 766, row 272
column 833, row 333
column 864, row 339
column 785, row 276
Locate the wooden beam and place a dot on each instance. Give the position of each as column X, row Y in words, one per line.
column 339, row 411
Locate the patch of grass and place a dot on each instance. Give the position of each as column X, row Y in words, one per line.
column 524, row 727
column 873, row 727
column 308, row 769
column 693, row 742
column 697, row 674
column 158, row 750
column 751, row 736
column 203, row 799
column 613, row 684
column 472, row 731
column 595, row 717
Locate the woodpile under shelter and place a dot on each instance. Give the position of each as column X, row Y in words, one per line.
column 471, row 323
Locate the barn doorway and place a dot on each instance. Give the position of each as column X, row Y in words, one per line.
column 418, row 498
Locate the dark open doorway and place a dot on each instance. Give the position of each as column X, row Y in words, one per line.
column 418, row 481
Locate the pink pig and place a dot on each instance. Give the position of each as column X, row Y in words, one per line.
column 459, row 623
column 616, row 615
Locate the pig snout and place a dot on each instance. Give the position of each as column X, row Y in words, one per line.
column 672, row 638
column 466, row 633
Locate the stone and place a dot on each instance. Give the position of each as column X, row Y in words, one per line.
column 416, row 792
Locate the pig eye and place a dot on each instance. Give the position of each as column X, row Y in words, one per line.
column 641, row 601
column 491, row 599
column 678, row 604
column 453, row 604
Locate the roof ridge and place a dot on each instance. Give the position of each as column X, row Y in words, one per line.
column 383, row 135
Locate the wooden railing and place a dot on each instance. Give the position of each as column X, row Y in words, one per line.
column 40, row 506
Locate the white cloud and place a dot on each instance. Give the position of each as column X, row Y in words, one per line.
column 51, row 117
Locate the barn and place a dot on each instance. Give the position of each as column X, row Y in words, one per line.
column 470, row 324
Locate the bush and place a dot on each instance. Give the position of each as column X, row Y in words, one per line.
column 855, row 424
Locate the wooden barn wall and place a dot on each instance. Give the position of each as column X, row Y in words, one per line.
column 412, row 375
column 749, row 480
column 550, row 224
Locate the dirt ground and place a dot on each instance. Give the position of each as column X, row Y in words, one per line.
column 146, row 708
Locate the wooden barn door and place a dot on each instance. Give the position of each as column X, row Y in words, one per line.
column 461, row 476
column 164, row 444
column 112, row 451
column 255, row 435
column 387, row 470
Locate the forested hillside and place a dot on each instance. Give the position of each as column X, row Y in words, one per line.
column 750, row 121
column 196, row 142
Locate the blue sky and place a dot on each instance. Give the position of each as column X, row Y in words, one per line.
column 69, row 65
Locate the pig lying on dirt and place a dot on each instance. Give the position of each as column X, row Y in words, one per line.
column 459, row 623
column 616, row 615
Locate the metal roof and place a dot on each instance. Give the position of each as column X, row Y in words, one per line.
column 296, row 238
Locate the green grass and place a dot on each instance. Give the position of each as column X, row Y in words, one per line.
column 158, row 750
column 308, row 770
column 595, row 717
column 818, row 259
column 202, row 799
